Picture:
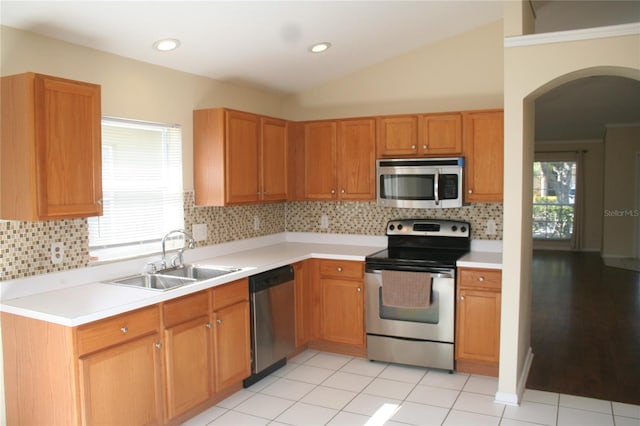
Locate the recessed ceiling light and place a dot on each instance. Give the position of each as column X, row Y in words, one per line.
column 320, row 47
column 166, row 44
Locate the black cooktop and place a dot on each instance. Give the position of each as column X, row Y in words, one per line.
column 420, row 243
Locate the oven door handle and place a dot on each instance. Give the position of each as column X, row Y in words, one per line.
column 434, row 273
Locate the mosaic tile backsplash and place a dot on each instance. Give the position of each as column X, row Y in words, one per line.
column 25, row 246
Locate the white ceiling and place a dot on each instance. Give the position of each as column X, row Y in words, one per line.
column 258, row 43
column 264, row 44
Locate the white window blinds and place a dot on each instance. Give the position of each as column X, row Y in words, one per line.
column 142, row 188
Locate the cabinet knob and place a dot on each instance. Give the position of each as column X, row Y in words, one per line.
column 481, row 279
column 358, row 289
column 219, row 321
column 100, row 201
column 124, row 330
column 342, row 190
column 413, row 147
column 158, row 345
column 339, row 268
column 209, row 325
column 461, row 297
column 424, row 146
column 333, row 191
column 470, row 191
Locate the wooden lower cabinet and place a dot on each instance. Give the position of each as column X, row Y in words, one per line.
column 478, row 321
column 122, row 385
column 338, row 287
column 232, row 344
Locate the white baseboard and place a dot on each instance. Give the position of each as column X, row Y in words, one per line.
column 515, row 398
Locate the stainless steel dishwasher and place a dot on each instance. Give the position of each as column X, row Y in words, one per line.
column 272, row 321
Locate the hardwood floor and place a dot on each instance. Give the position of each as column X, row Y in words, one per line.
column 585, row 331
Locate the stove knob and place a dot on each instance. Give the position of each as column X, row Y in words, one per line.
column 463, row 229
column 391, row 227
column 400, row 227
column 454, row 228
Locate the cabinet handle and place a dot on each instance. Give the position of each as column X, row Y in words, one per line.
column 99, row 201
column 470, row 191
column 461, row 297
column 333, row 191
column 158, row 345
column 358, row 289
column 339, row 268
column 424, row 146
column 481, row 279
column 124, row 330
column 343, row 191
column 413, row 147
column 209, row 325
column 219, row 321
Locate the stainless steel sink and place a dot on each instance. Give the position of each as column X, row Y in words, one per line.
column 167, row 279
column 154, row 281
column 197, row 272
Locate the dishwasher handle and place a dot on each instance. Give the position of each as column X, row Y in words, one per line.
column 270, row 278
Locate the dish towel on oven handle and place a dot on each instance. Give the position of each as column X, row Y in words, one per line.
column 403, row 289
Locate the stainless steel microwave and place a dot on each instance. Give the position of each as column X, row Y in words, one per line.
column 420, row 182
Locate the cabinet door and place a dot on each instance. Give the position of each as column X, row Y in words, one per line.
column 232, row 345
column 273, row 152
column 320, row 160
column 356, row 159
column 187, row 365
column 342, row 316
column 68, row 148
column 122, row 385
column 397, row 136
column 241, row 142
column 478, row 337
column 441, row 134
column 484, row 156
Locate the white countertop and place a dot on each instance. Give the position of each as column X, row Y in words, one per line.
column 77, row 297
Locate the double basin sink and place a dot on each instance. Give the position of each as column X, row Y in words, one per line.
column 171, row 278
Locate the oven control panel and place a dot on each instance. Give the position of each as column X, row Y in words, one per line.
column 429, row 227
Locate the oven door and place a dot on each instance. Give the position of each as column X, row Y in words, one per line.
column 433, row 323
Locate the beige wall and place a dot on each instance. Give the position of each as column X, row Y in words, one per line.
column 459, row 73
column 593, row 189
column 622, row 150
column 530, row 71
column 132, row 89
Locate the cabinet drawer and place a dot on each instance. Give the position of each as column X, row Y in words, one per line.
column 481, row 278
column 231, row 293
column 185, row 308
column 116, row 330
column 341, row 269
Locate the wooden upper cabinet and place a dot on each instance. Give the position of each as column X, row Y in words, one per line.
column 274, row 159
column 420, row 135
column 320, row 142
column 356, row 159
column 339, row 159
column 441, row 134
column 239, row 157
column 483, row 146
column 50, row 148
column 397, row 136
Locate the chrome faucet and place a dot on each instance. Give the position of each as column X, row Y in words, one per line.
column 178, row 257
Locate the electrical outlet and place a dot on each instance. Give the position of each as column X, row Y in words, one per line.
column 199, row 231
column 57, row 253
column 256, row 223
column 324, row 221
column 490, row 228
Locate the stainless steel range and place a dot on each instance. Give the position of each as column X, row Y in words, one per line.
column 410, row 292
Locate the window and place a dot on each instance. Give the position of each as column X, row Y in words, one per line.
column 142, row 188
column 554, row 186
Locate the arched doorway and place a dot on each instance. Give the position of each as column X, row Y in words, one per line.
column 582, row 312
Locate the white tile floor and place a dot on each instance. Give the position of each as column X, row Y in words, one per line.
column 318, row 388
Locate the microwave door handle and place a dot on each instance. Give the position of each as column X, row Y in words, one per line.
column 436, row 181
